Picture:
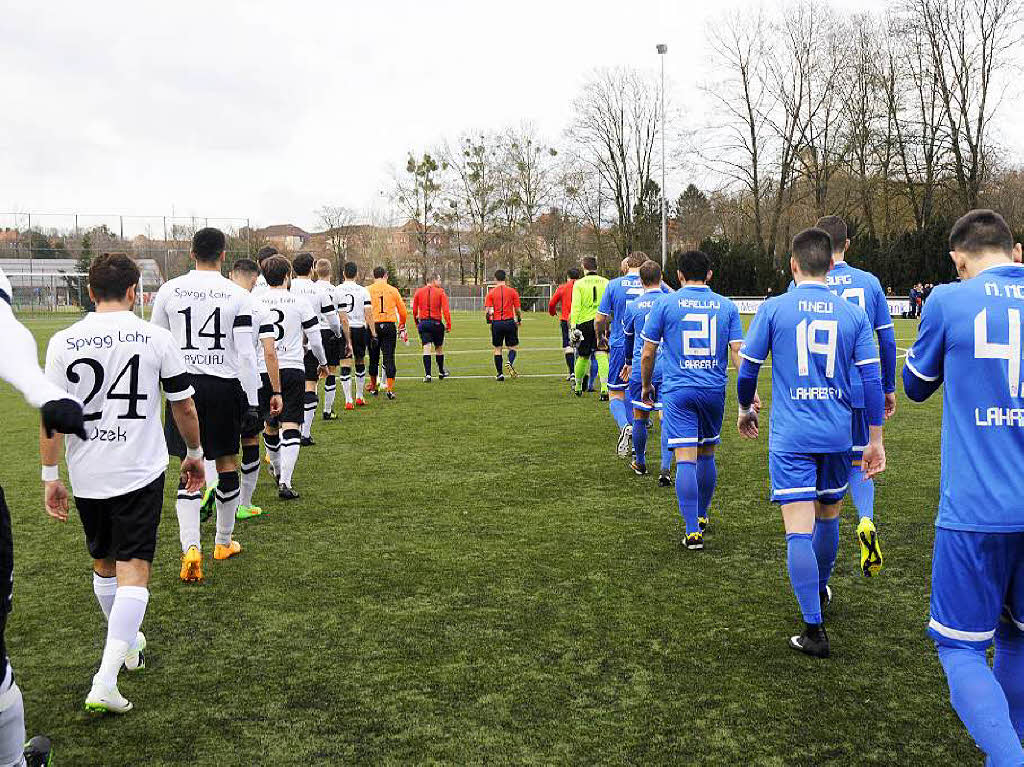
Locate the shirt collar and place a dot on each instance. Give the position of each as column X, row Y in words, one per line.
column 1014, row 264
column 695, row 287
column 812, row 284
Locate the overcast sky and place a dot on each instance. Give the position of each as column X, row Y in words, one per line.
column 269, row 110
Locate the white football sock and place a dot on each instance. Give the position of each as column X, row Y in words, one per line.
column 125, row 619
column 308, row 416
column 360, row 384
column 211, row 472
column 250, row 473
column 289, row 455
column 104, row 589
column 187, row 507
column 228, row 492
column 12, row 722
column 346, row 388
column 330, row 392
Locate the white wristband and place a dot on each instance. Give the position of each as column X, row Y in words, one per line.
column 50, row 474
column 744, row 411
column 194, row 452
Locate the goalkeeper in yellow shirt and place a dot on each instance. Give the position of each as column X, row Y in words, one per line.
column 586, row 298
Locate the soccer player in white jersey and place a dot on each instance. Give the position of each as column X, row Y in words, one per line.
column 244, row 273
column 354, row 299
column 969, row 342
column 327, row 319
column 290, row 319
column 815, row 340
column 211, row 319
column 335, row 348
column 117, row 364
column 61, row 413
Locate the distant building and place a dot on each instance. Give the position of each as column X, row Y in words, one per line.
column 285, row 237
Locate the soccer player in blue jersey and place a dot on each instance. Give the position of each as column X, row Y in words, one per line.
column 608, row 322
column 970, row 339
column 815, row 340
column 694, row 329
column 863, row 289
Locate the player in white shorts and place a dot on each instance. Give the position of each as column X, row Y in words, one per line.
column 354, row 300
column 211, row 319
column 117, row 364
column 19, row 366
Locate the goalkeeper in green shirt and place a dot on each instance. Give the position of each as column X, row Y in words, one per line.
column 586, row 297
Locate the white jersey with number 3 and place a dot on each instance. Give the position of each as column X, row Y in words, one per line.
column 285, row 317
column 204, row 311
column 352, row 298
column 116, row 364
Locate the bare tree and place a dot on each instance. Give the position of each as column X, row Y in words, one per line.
column 417, row 194
column 615, row 126
column 474, row 162
column 335, row 220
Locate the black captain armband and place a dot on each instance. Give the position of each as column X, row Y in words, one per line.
column 175, row 384
column 311, row 322
column 242, row 321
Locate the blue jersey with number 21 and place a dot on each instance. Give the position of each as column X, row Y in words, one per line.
column 815, row 339
column 694, row 327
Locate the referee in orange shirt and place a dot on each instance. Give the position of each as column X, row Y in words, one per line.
column 432, row 316
column 390, row 315
column 563, row 297
column 504, row 313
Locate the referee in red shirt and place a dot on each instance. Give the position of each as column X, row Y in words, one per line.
column 563, row 297
column 432, row 316
column 504, row 313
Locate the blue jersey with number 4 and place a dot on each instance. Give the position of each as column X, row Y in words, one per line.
column 970, row 339
column 620, row 291
column 633, row 323
column 816, row 340
column 694, row 327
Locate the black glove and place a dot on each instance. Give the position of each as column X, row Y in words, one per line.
column 252, row 424
column 63, row 416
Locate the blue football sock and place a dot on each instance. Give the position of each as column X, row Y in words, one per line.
column 826, row 543
column 862, row 491
column 686, row 492
column 511, row 357
column 619, row 412
column 1009, row 671
column 593, row 372
column 707, row 478
column 666, row 452
column 803, row 575
column 980, row 703
column 640, row 441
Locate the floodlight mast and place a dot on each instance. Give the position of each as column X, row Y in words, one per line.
column 662, row 49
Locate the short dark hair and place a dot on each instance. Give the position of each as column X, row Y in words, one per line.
column 636, row 259
column 574, row 273
column 246, row 266
column 303, row 264
column 276, row 269
column 378, row 272
column 111, row 275
column 812, row 249
column 980, row 230
column 499, row 275
column 589, row 263
column 693, row 264
column 650, row 273
column 265, row 252
column 350, row 270
column 836, row 228
column 207, row 244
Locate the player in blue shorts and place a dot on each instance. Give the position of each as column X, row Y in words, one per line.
column 970, row 339
column 694, row 329
column 632, row 326
column 608, row 322
column 815, row 340
column 863, row 289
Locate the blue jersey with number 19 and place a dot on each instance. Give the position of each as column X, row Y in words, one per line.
column 815, row 340
column 694, row 327
column 970, row 339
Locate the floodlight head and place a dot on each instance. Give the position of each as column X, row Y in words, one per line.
column 662, row 48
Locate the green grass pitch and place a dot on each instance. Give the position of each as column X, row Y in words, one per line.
column 473, row 576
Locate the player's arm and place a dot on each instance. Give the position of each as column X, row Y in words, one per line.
column 865, row 357
column 556, row 299
column 488, row 306
column 653, row 334
column 330, row 315
column 604, row 311
column 269, row 349
column 370, row 317
column 754, row 352
column 446, row 311
column 923, row 369
column 417, row 301
column 403, row 313
column 178, row 391
column 310, row 327
column 630, row 341
column 245, row 351
column 518, row 306
column 158, row 316
column 574, row 307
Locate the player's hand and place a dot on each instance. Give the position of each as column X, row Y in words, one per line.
column 575, row 337
column 322, row 371
column 890, row 405
column 55, row 499
column 626, row 372
column 251, row 422
column 756, row 403
column 873, row 460
column 63, row 416
column 276, row 405
column 647, row 395
column 747, row 425
column 193, row 474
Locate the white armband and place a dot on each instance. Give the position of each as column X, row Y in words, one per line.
column 51, row 474
column 745, row 411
